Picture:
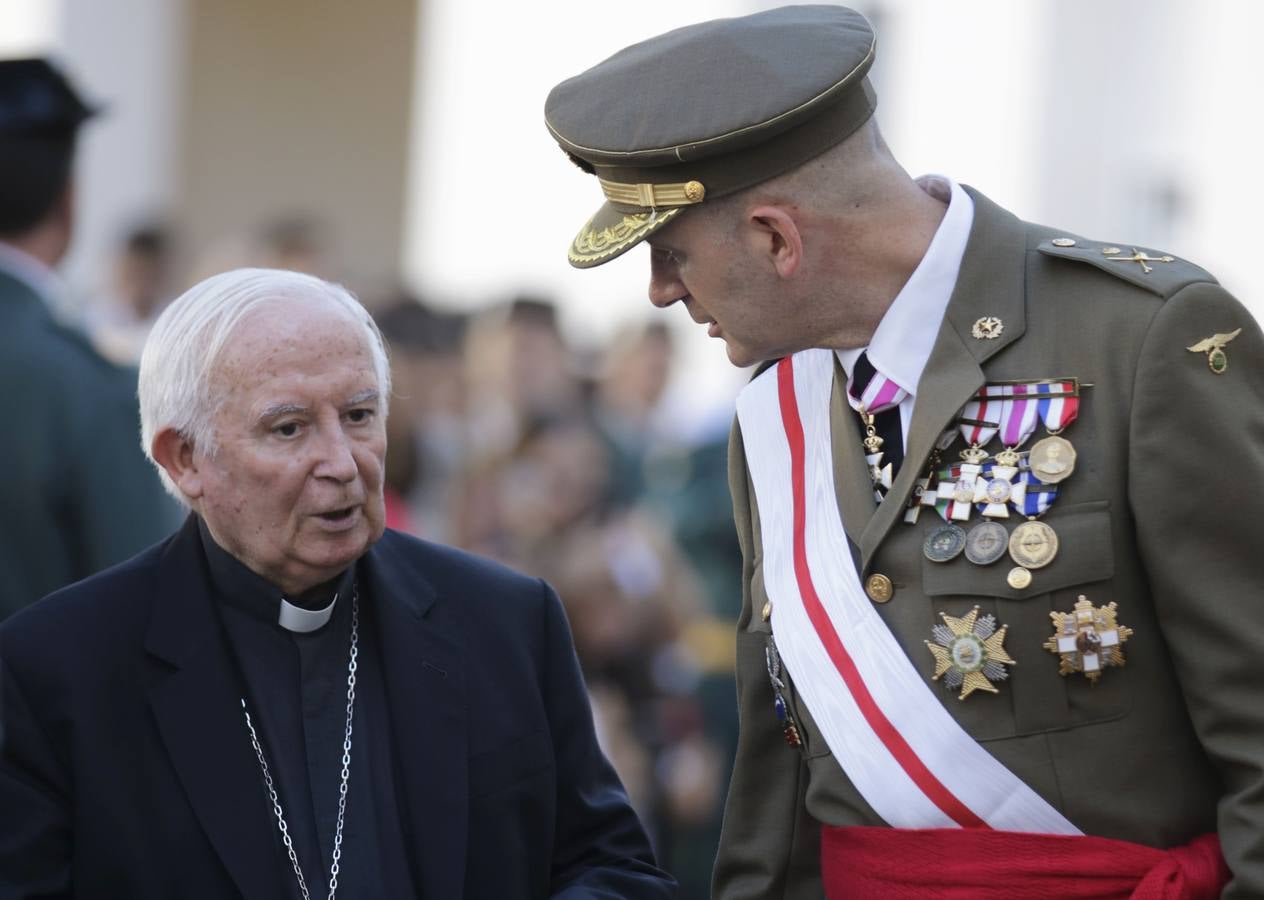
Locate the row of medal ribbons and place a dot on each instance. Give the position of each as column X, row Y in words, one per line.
column 1022, row 482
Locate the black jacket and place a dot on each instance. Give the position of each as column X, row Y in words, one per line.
column 125, row 770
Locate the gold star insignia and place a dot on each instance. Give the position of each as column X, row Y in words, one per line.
column 969, row 651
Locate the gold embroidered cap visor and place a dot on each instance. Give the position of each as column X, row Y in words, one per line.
column 708, row 110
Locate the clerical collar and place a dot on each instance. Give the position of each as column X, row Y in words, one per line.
column 238, row 586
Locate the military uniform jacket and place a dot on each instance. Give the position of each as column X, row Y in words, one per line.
column 1158, row 517
column 78, row 493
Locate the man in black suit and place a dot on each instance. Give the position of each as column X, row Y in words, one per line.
column 284, row 699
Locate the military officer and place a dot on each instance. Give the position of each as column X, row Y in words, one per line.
column 984, row 464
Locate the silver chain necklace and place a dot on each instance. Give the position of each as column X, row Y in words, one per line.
column 346, row 765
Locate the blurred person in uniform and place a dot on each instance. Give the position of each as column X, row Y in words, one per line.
column 78, row 495
column 955, row 480
column 285, row 697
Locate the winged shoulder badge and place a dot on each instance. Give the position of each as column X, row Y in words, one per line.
column 1214, row 346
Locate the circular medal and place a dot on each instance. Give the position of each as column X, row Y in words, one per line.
column 1018, row 578
column 998, row 490
column 963, row 491
column 986, row 543
column 944, row 543
column 1052, row 459
column 1033, row 545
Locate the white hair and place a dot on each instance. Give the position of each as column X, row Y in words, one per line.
column 192, row 333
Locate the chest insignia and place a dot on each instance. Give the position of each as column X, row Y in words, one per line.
column 1087, row 639
column 969, row 653
column 1214, row 346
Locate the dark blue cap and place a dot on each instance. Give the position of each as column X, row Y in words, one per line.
column 36, row 99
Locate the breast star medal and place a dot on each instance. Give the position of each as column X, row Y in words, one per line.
column 1087, row 639
column 969, row 653
column 1214, row 346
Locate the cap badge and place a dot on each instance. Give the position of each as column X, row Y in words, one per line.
column 1213, row 346
column 988, row 328
column 969, row 653
column 594, row 244
column 1143, row 259
column 1088, row 639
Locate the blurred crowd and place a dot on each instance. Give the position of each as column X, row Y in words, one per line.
column 565, row 462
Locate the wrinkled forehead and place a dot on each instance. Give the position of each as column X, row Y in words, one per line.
column 307, row 336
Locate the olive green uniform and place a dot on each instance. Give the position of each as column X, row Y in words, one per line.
column 1157, row 517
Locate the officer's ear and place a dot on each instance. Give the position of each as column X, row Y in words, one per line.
column 776, row 238
column 174, row 452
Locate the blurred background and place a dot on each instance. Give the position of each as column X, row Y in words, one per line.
column 545, row 416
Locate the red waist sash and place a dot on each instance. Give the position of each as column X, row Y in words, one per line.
column 860, row 863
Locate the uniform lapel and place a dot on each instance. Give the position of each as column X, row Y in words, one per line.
column 422, row 640
column 991, row 282
column 197, row 708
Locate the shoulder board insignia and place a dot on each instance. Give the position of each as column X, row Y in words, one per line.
column 1158, row 272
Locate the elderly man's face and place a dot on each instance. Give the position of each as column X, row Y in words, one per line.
column 294, row 489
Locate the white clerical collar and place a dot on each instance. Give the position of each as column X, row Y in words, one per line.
column 902, row 344
column 295, row 618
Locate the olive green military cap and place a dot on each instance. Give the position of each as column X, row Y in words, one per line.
column 707, row 110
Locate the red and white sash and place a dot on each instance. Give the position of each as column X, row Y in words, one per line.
column 907, row 756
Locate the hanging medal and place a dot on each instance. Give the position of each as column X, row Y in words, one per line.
column 1018, row 418
column 924, row 489
column 945, row 542
column 978, row 423
column 1033, row 544
column 879, row 395
column 1052, row 459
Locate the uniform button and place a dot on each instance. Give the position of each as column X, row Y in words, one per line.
column 1063, row 242
column 879, row 588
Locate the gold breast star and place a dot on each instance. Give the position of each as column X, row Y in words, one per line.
column 969, row 651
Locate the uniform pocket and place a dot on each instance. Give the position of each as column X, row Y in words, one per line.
column 1036, row 698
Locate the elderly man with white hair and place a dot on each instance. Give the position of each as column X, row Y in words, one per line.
column 285, row 699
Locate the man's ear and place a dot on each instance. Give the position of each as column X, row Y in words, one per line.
column 174, row 452
column 777, row 238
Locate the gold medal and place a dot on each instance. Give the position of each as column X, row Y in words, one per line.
column 1033, row 545
column 1087, row 639
column 970, row 652
column 1052, row 459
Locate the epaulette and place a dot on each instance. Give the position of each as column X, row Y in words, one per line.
column 1155, row 271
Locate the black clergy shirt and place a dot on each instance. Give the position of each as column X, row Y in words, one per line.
column 295, row 686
